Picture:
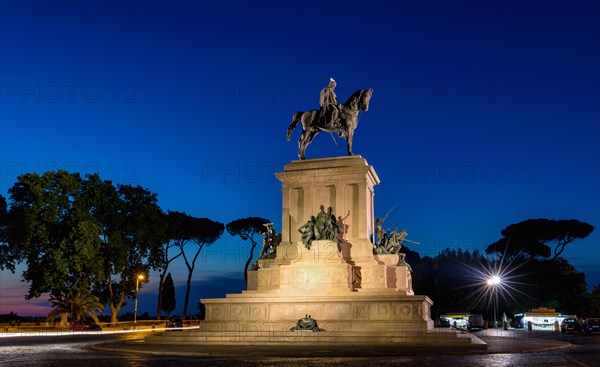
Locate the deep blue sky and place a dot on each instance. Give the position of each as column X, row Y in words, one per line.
column 484, row 113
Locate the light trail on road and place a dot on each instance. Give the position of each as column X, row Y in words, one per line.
column 91, row 332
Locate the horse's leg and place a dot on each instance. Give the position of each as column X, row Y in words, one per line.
column 295, row 119
column 349, row 135
column 305, row 132
column 302, row 144
column 305, row 139
column 311, row 135
column 308, row 133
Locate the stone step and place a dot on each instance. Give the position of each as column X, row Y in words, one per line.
column 276, row 296
column 312, row 338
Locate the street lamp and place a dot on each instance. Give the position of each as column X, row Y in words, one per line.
column 493, row 282
column 137, row 288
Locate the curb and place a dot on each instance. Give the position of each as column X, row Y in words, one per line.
column 494, row 347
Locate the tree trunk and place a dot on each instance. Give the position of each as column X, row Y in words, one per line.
column 248, row 262
column 64, row 321
column 159, row 307
column 115, row 308
column 113, row 314
column 187, row 293
column 190, row 268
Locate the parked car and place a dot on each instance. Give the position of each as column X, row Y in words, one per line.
column 518, row 322
column 570, row 325
column 591, row 326
column 444, row 322
column 85, row 326
column 475, row 322
column 175, row 322
column 456, row 320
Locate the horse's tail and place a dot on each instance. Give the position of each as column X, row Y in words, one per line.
column 297, row 117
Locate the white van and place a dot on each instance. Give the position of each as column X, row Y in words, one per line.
column 476, row 322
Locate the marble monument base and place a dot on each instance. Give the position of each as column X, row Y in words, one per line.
column 319, row 282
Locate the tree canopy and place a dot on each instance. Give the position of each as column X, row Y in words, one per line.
column 456, row 281
column 132, row 238
column 246, row 228
column 7, row 261
column 595, row 301
column 450, row 279
column 51, row 229
column 75, row 233
column 531, row 238
column 79, row 304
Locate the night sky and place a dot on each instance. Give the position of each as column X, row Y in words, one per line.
column 484, row 113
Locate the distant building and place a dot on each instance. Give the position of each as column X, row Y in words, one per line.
column 539, row 319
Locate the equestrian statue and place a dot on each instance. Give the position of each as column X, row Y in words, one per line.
column 331, row 117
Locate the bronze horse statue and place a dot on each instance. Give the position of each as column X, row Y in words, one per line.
column 314, row 121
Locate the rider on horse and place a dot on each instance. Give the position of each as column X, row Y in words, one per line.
column 331, row 117
column 328, row 103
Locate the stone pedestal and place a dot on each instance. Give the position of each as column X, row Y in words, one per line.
column 343, row 183
column 347, row 185
column 357, row 297
column 320, row 282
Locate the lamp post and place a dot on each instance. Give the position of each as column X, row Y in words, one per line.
column 493, row 282
column 137, row 288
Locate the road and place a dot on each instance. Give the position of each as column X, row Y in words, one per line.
column 67, row 351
